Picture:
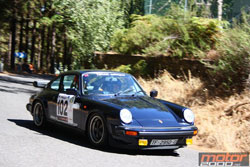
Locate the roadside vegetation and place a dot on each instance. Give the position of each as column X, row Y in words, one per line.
column 191, row 37
column 182, row 35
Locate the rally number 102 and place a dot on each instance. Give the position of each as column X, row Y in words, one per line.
column 62, row 106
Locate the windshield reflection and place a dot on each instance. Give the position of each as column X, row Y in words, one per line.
column 110, row 83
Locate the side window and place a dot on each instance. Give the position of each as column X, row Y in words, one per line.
column 70, row 81
column 75, row 83
column 55, row 84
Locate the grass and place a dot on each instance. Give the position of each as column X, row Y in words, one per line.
column 174, row 90
column 223, row 123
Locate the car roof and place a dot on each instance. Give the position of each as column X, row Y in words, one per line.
column 90, row 70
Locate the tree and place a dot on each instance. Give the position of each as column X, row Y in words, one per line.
column 5, row 38
column 90, row 25
column 220, row 4
column 21, row 34
column 132, row 7
column 13, row 33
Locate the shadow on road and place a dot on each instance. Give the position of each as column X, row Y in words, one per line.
column 13, row 80
column 74, row 137
column 14, row 89
column 34, row 76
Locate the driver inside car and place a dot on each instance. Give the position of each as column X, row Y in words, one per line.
column 111, row 87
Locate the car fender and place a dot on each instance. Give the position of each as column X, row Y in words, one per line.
column 43, row 102
column 175, row 108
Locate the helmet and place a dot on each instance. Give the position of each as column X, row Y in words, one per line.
column 113, row 85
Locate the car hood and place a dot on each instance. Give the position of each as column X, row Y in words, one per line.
column 147, row 111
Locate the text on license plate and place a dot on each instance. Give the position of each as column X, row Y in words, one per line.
column 156, row 142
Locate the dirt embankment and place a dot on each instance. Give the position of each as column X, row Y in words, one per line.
column 223, row 123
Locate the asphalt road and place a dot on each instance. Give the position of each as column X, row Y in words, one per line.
column 22, row 144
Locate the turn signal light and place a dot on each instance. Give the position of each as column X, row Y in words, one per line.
column 131, row 133
column 195, row 132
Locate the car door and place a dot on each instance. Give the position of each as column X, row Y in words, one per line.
column 66, row 102
column 52, row 92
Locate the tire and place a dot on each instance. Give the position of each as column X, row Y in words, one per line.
column 39, row 115
column 97, row 131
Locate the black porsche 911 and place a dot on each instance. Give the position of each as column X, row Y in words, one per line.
column 112, row 108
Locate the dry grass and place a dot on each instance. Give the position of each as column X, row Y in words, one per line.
column 223, row 123
column 177, row 91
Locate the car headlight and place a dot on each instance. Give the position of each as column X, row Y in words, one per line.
column 188, row 115
column 126, row 116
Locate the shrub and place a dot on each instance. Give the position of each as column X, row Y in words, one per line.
column 124, row 68
column 140, row 68
column 170, row 34
column 233, row 67
column 138, row 37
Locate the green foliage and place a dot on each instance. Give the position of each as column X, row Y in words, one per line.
column 92, row 23
column 139, row 36
column 195, row 36
column 232, row 68
column 140, row 68
column 124, row 68
column 46, row 21
column 130, row 7
column 175, row 34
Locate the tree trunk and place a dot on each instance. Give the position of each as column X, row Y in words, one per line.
column 48, row 49
column 42, row 47
column 58, row 50
column 13, row 39
column 220, row 10
column 208, row 5
column 52, row 56
column 27, row 33
column 69, row 56
column 21, row 35
column 65, row 54
column 7, row 61
column 42, row 36
column 33, row 42
column 131, row 9
column 39, row 50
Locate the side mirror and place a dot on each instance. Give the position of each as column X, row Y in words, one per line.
column 40, row 84
column 153, row 93
column 72, row 91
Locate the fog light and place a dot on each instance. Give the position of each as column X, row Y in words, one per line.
column 142, row 142
column 189, row 141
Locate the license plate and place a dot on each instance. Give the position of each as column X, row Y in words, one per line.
column 168, row 142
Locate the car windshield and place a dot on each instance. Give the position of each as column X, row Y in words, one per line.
column 110, row 83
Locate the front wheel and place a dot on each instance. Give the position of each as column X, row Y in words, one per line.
column 97, row 131
column 39, row 115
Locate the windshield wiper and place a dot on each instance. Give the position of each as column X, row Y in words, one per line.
column 137, row 92
column 125, row 91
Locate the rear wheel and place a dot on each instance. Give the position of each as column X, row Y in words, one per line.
column 97, row 131
column 39, row 115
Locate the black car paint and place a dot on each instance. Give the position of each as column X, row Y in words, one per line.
column 146, row 111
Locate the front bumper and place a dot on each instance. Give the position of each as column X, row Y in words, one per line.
column 29, row 107
column 120, row 139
